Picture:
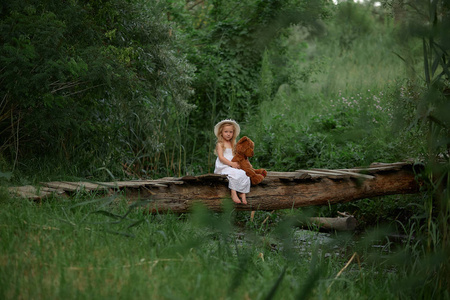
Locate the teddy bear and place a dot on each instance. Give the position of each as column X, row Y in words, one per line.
column 244, row 150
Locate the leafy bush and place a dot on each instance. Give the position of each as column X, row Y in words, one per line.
column 93, row 85
column 350, row 131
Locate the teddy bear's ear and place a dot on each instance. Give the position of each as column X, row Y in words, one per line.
column 248, row 144
column 248, row 140
column 242, row 140
column 241, row 145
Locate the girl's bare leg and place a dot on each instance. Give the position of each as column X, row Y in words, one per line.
column 243, row 198
column 235, row 197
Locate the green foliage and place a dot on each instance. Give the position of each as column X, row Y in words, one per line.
column 425, row 103
column 227, row 41
column 332, row 109
column 344, row 132
column 104, row 89
column 353, row 22
column 77, row 75
column 105, row 248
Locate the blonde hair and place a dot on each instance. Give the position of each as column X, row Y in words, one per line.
column 220, row 138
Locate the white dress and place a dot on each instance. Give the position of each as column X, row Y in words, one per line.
column 237, row 179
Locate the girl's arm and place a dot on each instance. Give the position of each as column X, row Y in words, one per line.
column 222, row 158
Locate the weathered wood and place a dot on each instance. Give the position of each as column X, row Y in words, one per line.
column 349, row 174
column 275, row 192
column 70, row 187
column 327, row 173
column 33, row 193
column 279, row 190
column 74, row 186
column 377, row 167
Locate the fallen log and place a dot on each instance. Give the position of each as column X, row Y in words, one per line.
column 279, row 190
column 340, row 223
column 282, row 190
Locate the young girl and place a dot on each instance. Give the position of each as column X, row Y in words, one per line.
column 226, row 132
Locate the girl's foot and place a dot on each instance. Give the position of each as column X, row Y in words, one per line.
column 235, row 197
column 243, row 198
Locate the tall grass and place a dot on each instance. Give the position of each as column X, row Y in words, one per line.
column 94, row 248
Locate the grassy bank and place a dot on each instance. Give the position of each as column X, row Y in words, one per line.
column 96, row 248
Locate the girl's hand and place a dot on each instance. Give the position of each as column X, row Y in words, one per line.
column 234, row 165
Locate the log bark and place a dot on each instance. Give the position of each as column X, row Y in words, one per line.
column 279, row 190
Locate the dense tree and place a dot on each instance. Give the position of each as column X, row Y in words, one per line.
column 92, row 82
column 226, row 41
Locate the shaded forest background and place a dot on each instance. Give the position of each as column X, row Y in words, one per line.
column 116, row 89
column 127, row 89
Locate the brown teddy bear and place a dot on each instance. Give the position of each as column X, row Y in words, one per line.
column 244, row 150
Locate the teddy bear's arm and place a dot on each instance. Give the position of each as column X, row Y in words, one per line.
column 249, row 163
column 238, row 158
column 245, row 165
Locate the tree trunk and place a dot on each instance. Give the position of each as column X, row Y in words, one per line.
column 284, row 190
column 279, row 190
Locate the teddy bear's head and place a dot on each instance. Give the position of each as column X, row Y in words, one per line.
column 245, row 147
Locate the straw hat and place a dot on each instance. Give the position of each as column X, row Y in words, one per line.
column 236, row 125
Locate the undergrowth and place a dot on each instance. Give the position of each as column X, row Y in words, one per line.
column 92, row 247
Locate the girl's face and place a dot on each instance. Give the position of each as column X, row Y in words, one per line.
column 227, row 132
